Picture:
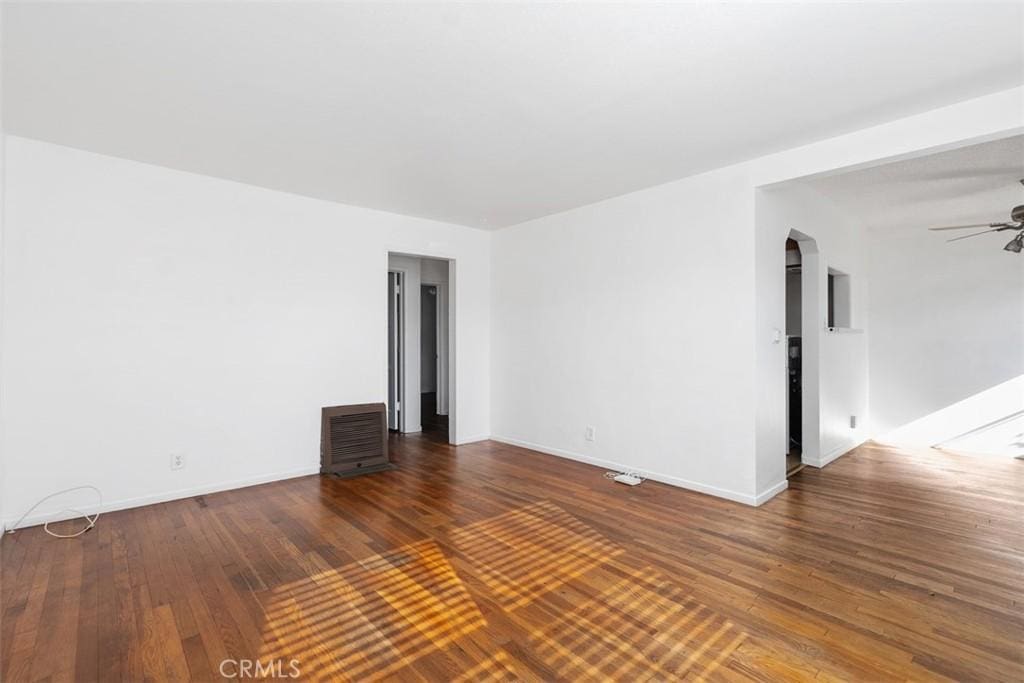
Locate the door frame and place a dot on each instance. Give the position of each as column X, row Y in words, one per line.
column 441, row 342
column 811, row 331
column 450, row 340
column 396, row 359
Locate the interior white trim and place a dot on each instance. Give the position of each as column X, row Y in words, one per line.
column 126, row 503
column 734, row 496
column 771, row 492
column 833, row 454
column 471, row 439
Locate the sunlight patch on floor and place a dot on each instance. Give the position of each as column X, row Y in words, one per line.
column 496, row 668
column 530, row 551
column 370, row 618
column 598, row 639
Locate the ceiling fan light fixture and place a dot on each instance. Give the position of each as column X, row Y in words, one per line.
column 1016, row 244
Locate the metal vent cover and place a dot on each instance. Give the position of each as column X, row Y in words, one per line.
column 354, row 439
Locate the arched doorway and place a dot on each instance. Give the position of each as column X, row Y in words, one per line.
column 803, row 342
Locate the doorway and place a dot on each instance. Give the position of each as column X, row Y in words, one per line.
column 805, row 323
column 395, row 364
column 794, row 374
column 433, row 416
column 420, row 349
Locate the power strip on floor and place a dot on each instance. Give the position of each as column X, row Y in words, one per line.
column 627, row 479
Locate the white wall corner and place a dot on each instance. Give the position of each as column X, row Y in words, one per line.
column 833, row 454
column 462, row 441
column 769, row 493
column 308, row 358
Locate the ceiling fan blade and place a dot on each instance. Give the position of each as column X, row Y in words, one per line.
column 964, row 227
column 998, row 228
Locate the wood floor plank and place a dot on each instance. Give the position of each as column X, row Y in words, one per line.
column 491, row 562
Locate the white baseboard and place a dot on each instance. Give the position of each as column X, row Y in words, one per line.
column 771, row 492
column 462, row 441
column 735, row 496
column 834, row 454
column 164, row 497
column 167, row 496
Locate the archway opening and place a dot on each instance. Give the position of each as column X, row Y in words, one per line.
column 803, row 341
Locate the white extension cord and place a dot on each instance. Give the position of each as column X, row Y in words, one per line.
column 46, row 527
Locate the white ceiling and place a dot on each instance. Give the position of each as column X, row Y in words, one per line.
column 483, row 114
column 975, row 184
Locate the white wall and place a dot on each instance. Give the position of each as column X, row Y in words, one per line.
column 838, row 381
column 984, row 118
column 651, row 316
column 634, row 316
column 947, row 331
column 151, row 311
column 435, row 272
column 3, row 164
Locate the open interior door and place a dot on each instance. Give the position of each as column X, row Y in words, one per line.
column 394, row 350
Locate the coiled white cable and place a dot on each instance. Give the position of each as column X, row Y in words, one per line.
column 46, row 527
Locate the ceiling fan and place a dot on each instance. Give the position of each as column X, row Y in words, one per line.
column 1016, row 222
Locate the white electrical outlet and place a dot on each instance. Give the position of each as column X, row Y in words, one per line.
column 589, row 433
column 177, row 461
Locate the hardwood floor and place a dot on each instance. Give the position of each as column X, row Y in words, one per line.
column 430, row 421
column 794, row 463
column 488, row 562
